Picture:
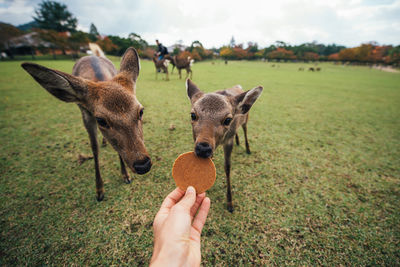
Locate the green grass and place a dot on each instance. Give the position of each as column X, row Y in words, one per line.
column 322, row 186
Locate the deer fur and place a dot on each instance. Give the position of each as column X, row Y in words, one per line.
column 106, row 99
column 184, row 63
column 216, row 118
column 161, row 65
column 171, row 60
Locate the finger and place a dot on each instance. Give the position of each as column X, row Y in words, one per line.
column 201, row 217
column 197, row 204
column 189, row 199
column 172, row 198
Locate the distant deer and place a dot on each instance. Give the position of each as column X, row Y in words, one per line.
column 161, row 65
column 311, row 69
column 184, row 63
column 107, row 100
column 216, row 118
column 171, row 60
column 318, row 69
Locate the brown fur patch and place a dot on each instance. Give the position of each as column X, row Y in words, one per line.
column 212, row 103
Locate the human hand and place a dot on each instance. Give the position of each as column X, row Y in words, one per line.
column 177, row 230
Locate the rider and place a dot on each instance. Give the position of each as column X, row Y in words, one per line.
column 162, row 50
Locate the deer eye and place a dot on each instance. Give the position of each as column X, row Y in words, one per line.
column 102, row 122
column 227, row 121
column 141, row 113
column 193, row 116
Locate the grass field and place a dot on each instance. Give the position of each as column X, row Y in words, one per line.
column 322, row 186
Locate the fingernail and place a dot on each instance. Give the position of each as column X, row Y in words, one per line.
column 190, row 189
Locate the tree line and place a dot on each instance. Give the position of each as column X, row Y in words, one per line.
column 55, row 30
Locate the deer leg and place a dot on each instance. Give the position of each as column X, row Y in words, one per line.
column 104, row 142
column 244, row 126
column 180, row 74
column 124, row 173
column 91, row 127
column 227, row 155
column 237, row 139
column 172, row 71
column 166, row 73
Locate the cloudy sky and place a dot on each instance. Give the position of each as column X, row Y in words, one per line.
column 214, row 22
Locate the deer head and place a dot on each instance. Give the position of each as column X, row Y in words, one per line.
column 216, row 116
column 112, row 103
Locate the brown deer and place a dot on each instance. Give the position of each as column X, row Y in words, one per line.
column 107, row 100
column 216, row 118
column 184, row 63
column 171, row 60
column 161, row 65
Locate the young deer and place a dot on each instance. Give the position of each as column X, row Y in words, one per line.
column 161, row 65
column 216, row 118
column 184, row 63
column 107, row 100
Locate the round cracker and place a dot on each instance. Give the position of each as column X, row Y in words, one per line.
column 188, row 169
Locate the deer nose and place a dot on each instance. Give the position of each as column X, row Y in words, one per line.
column 142, row 166
column 203, row 150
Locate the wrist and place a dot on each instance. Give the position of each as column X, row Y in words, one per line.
column 164, row 258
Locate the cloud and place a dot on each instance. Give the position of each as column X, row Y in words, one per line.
column 348, row 22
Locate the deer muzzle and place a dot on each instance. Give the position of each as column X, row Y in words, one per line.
column 142, row 166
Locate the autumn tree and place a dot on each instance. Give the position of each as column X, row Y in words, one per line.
column 281, row 53
column 77, row 40
column 107, row 45
column 55, row 16
column 57, row 40
column 226, row 52
column 348, row 54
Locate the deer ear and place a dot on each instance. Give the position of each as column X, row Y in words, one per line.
column 64, row 86
column 130, row 63
column 192, row 90
column 245, row 100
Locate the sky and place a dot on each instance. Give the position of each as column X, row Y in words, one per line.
column 214, row 22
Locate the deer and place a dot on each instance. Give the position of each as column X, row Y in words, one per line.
column 216, row 118
column 171, row 60
column 184, row 63
column 161, row 65
column 107, row 100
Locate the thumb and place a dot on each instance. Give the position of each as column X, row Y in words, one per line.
column 189, row 199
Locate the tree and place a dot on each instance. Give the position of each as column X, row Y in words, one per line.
column 281, row 53
column 52, row 15
column 93, row 30
column 107, row 45
column 226, row 52
column 195, row 44
column 93, row 33
column 57, row 39
column 232, row 43
column 394, row 55
column 76, row 40
column 137, row 41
